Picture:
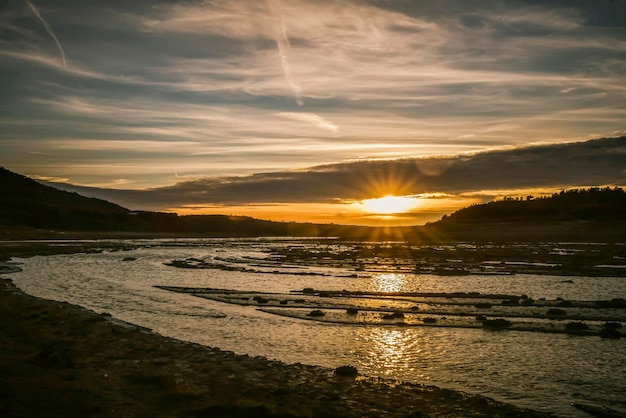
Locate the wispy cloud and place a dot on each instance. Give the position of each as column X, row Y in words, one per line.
column 313, row 119
column 211, row 89
column 49, row 30
column 282, row 43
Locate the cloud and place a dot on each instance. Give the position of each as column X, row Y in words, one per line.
column 282, row 42
column 210, row 89
column 313, row 119
column 551, row 166
column 49, row 30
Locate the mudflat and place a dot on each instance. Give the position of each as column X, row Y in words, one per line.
column 62, row 360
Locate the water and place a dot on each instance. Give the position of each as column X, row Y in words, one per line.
column 535, row 370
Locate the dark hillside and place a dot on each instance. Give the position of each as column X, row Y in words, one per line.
column 28, row 203
column 594, row 204
column 27, row 206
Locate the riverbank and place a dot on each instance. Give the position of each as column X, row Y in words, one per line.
column 63, row 360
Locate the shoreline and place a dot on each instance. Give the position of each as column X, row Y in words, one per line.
column 64, row 360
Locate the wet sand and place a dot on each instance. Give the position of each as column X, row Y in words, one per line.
column 61, row 360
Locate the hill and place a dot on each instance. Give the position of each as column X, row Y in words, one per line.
column 29, row 209
column 26, row 202
column 578, row 215
column 593, row 204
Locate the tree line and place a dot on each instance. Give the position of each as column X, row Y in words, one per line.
column 603, row 204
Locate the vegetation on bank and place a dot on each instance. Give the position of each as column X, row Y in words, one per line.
column 592, row 204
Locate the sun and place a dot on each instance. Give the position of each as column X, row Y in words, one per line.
column 389, row 204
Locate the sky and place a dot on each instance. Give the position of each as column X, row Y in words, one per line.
column 308, row 110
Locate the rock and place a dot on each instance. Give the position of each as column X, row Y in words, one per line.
column 346, row 371
column 613, row 303
column 260, row 300
column 510, row 302
column 316, row 313
column 498, row 323
column 556, row 312
column 576, row 326
column 394, row 315
column 610, row 333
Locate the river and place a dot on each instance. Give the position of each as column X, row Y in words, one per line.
column 542, row 371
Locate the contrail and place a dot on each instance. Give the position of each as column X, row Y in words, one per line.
column 49, row 29
column 282, row 42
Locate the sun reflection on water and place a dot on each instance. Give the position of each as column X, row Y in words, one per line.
column 391, row 349
column 389, row 282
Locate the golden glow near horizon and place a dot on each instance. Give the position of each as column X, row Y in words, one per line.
column 389, row 204
column 335, row 213
column 418, row 210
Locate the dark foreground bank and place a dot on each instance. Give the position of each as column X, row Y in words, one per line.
column 61, row 360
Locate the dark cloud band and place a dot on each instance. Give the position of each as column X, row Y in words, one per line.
column 589, row 163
